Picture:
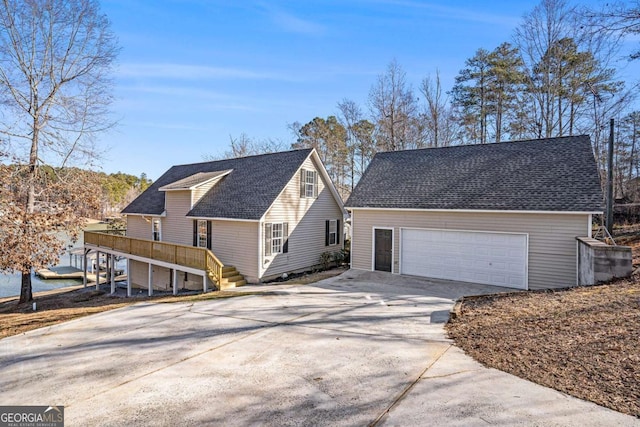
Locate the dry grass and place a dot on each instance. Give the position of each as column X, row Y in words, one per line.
column 66, row 304
column 580, row 341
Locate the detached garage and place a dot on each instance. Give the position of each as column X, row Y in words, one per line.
column 504, row 214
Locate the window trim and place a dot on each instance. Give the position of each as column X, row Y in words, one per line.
column 277, row 241
column 334, row 233
column 200, row 235
column 155, row 221
column 308, row 183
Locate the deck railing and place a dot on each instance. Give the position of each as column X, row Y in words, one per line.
column 188, row 256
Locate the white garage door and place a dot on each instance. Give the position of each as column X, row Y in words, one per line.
column 498, row 259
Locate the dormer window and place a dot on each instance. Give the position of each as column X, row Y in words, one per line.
column 308, row 183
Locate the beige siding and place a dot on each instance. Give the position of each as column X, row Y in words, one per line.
column 138, row 227
column 552, row 243
column 161, row 278
column 236, row 243
column 176, row 227
column 306, row 222
column 201, row 190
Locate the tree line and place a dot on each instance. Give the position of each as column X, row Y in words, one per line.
column 556, row 77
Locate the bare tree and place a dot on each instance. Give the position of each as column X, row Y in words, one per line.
column 55, row 63
column 394, row 110
column 438, row 114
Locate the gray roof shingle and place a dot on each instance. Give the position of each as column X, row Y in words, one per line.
column 193, row 180
column 554, row 174
column 245, row 193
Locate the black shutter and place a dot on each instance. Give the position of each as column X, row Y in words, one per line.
column 285, row 237
column 315, row 184
column 338, row 232
column 267, row 239
column 195, row 232
column 326, row 233
column 303, row 180
column 209, row 235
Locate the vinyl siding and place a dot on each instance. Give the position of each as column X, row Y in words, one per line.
column 236, row 243
column 176, row 227
column 306, row 222
column 201, row 190
column 552, row 243
column 161, row 278
column 138, row 227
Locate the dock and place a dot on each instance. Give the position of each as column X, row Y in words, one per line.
column 68, row 272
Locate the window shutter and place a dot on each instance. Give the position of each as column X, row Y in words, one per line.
column 267, row 239
column 303, row 180
column 285, row 237
column 209, row 235
column 195, row 232
column 315, row 184
column 326, row 233
column 338, row 232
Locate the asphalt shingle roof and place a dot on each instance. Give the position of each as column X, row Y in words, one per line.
column 193, row 180
column 554, row 174
column 245, row 193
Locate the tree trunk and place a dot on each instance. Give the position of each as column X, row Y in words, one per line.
column 26, row 293
column 25, row 288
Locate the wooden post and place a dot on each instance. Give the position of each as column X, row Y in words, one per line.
column 113, row 274
column 84, row 269
column 150, row 279
column 175, row 281
column 97, row 270
column 128, row 277
column 204, row 283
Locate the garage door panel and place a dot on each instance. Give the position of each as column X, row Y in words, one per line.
column 489, row 258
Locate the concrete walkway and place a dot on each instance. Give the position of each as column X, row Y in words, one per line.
column 357, row 349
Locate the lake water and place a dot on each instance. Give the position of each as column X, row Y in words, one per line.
column 10, row 283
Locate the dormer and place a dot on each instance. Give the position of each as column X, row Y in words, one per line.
column 197, row 184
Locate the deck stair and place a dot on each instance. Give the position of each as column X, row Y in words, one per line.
column 231, row 278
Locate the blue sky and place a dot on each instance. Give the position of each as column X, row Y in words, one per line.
column 193, row 72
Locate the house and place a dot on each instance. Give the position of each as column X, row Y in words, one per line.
column 264, row 215
column 504, row 214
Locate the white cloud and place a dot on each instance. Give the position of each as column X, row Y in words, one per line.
column 294, row 24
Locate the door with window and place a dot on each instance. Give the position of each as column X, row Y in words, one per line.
column 383, row 249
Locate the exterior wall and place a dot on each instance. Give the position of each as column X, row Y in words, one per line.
column 236, row 243
column 306, row 222
column 161, row 278
column 201, row 190
column 599, row 262
column 552, row 244
column 138, row 227
column 176, row 227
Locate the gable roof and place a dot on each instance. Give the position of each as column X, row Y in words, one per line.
column 554, row 174
column 193, row 181
column 245, row 193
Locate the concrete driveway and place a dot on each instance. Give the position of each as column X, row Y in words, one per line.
column 357, row 349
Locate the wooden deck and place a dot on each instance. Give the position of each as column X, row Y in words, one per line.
column 60, row 273
column 181, row 255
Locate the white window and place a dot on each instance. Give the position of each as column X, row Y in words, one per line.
column 308, row 183
column 276, row 238
column 333, row 232
column 202, row 233
column 155, row 230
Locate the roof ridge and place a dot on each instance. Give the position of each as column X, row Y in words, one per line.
column 244, row 157
column 488, row 144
